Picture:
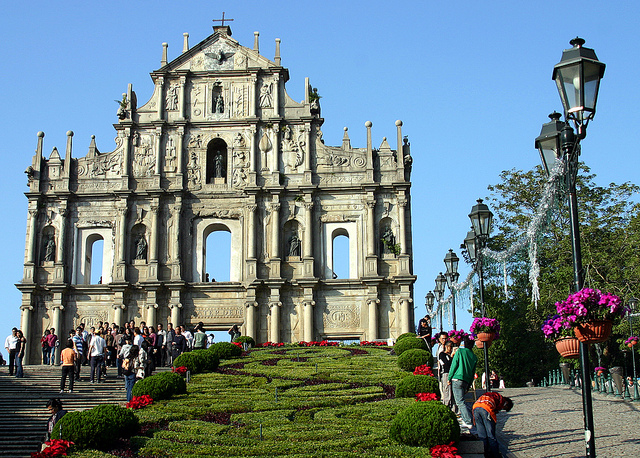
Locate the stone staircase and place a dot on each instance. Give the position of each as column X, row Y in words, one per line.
column 23, row 412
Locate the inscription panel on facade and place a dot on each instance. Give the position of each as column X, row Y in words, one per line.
column 342, row 316
column 204, row 313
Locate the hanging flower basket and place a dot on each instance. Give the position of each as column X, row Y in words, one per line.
column 631, row 341
column 593, row 331
column 480, row 344
column 568, row 347
column 486, row 336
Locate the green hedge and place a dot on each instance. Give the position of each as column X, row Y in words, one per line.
column 225, row 350
column 97, row 427
column 410, row 359
column 425, row 424
column 198, row 361
column 411, row 385
column 160, row 386
column 409, row 343
column 246, row 339
column 406, row 334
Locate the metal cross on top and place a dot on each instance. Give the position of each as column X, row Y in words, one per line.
column 222, row 20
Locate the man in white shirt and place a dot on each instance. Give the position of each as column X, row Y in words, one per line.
column 137, row 338
column 11, row 345
column 187, row 335
column 97, row 351
column 161, row 336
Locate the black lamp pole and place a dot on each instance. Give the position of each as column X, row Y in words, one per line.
column 577, row 76
column 633, row 303
column 452, row 276
column 439, row 292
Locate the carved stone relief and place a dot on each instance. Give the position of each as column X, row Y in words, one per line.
column 342, row 316
column 240, row 101
column 193, row 171
column 293, row 147
column 171, row 100
column 266, row 98
column 218, row 56
column 240, row 164
column 197, row 100
column 144, row 160
column 170, row 156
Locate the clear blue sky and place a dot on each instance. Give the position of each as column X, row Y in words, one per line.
column 470, row 80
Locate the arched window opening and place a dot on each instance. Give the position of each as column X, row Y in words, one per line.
column 94, row 259
column 217, row 255
column 340, row 254
column 216, row 161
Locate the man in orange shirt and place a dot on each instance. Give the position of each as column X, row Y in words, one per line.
column 485, row 410
column 68, row 359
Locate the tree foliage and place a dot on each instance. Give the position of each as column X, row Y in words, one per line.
column 610, row 238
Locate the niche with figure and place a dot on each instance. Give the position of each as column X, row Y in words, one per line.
column 139, row 246
column 388, row 245
column 292, row 240
column 216, row 161
column 48, row 244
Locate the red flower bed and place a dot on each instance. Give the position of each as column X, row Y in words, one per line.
column 426, row 397
column 425, row 369
column 271, row 344
column 367, row 343
column 179, row 370
column 55, row 447
column 444, row 451
column 138, row 402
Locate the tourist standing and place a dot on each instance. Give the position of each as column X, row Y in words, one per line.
column 199, row 339
column 128, row 369
column 161, row 335
column 445, row 364
column 485, row 412
column 10, row 344
column 97, row 351
column 44, row 343
column 67, row 359
column 168, row 345
column 79, row 346
column 461, row 372
column 424, row 329
column 179, row 344
column 53, row 343
column 54, row 406
column 234, row 332
column 21, row 346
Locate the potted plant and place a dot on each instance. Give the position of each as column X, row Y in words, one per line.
column 591, row 314
column 560, row 330
column 631, row 341
column 600, row 370
column 457, row 336
column 485, row 329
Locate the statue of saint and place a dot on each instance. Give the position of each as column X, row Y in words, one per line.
column 294, row 246
column 219, row 104
column 388, row 241
column 218, row 171
column 50, row 250
column 141, row 248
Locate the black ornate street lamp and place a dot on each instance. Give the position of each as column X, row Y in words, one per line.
column 633, row 307
column 577, row 76
column 452, row 276
column 439, row 291
column 428, row 302
column 481, row 222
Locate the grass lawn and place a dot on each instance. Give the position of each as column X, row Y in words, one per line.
column 287, row 401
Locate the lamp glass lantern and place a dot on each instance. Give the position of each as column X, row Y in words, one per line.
column 481, row 219
column 451, row 261
column 633, row 304
column 440, row 281
column 470, row 246
column 578, row 76
column 429, row 300
column 548, row 143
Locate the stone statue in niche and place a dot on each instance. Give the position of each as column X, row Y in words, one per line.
column 265, row 96
column 218, row 171
column 171, row 100
column 387, row 241
column 141, row 248
column 50, row 249
column 218, row 104
column 294, row 245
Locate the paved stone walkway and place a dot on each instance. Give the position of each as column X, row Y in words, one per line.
column 548, row 422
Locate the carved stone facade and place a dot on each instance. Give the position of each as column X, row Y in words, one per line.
column 220, row 146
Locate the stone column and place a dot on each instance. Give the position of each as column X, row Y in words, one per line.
column 25, row 326
column 253, row 154
column 160, row 96
column 181, row 104
column 405, row 315
column 56, row 322
column 174, row 307
column 151, row 314
column 372, row 334
column 308, row 320
column 31, row 242
column 251, row 231
column 368, row 125
column 250, row 320
column 158, row 145
column 117, row 313
column 371, row 245
column 275, row 228
column 307, row 152
column 399, row 154
column 274, row 334
column 275, row 158
column 307, row 243
column 122, row 239
column 153, row 241
column 402, row 203
column 176, row 273
column 59, row 276
column 126, row 157
column 179, row 155
column 254, row 96
column 276, row 95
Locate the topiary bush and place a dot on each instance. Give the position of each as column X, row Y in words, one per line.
column 425, row 424
column 246, row 339
column 406, row 334
column 160, row 386
column 410, row 359
column 411, row 385
column 97, row 427
column 197, row 361
column 409, row 343
column 225, row 350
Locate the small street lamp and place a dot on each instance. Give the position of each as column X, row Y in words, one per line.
column 633, row 307
column 481, row 221
column 577, row 76
column 451, row 263
column 439, row 291
column 428, row 302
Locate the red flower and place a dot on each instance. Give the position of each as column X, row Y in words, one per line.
column 425, row 369
column 138, row 402
column 179, row 370
column 55, row 447
column 444, row 451
column 426, row 397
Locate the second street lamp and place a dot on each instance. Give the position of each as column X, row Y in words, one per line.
column 452, row 275
column 439, row 291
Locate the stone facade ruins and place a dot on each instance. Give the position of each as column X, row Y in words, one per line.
column 220, row 146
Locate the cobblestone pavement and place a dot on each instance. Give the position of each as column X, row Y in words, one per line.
column 548, row 423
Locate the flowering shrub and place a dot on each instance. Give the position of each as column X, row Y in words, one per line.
column 373, row 343
column 458, row 335
column 179, row 370
column 485, row 325
column 556, row 326
column 444, row 451
column 633, row 340
column 590, row 304
column 427, row 397
column 139, row 402
column 600, row 368
column 54, row 447
column 425, row 369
